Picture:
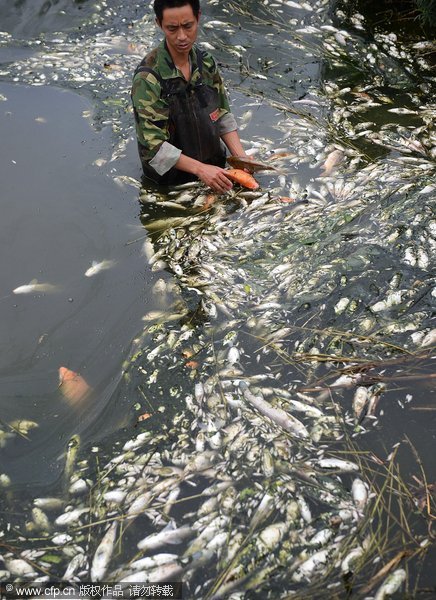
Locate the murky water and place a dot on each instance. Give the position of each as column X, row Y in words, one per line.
column 320, row 272
column 60, row 212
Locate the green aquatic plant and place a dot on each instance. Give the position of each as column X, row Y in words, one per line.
column 427, row 10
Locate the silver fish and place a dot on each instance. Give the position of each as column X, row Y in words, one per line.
column 167, row 536
column 171, row 571
column 360, row 401
column 103, row 554
column 351, row 558
column 19, row 567
column 279, row 416
column 360, row 493
column 391, row 585
column 35, row 288
column 345, row 466
column 97, row 267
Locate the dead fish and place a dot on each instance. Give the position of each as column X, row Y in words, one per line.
column 19, row 567
column 346, row 466
column 79, row 561
column 34, row 287
column 348, row 564
column 244, row 162
column 72, row 516
column 125, row 179
column 40, row 520
column 360, row 401
column 73, row 387
column 360, row 493
column 279, row 155
column 22, row 426
column 277, row 415
column 96, row 267
column 169, row 535
column 313, row 563
column 209, row 200
column 391, row 585
column 402, row 111
column 242, row 177
column 49, row 503
column 333, row 159
column 103, row 554
column 429, row 339
column 171, row 571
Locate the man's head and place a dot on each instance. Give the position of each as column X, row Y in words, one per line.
column 160, row 5
column 178, row 19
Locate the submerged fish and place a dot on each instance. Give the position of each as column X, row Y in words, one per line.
column 391, row 585
column 73, row 387
column 244, row 162
column 242, row 177
column 96, row 267
column 35, row 287
column 22, row 426
column 333, row 160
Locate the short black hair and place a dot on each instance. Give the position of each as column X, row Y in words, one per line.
column 160, row 5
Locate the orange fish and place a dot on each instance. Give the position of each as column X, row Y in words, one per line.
column 73, row 387
column 242, row 177
column 210, row 200
column 144, row 417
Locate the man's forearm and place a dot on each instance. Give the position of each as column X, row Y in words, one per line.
column 233, row 143
column 188, row 164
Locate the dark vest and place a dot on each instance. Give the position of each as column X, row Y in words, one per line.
column 192, row 127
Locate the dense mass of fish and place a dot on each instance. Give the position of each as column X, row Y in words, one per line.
column 245, row 489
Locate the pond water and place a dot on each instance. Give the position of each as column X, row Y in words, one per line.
column 285, row 296
column 61, row 212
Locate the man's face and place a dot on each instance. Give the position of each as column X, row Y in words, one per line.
column 180, row 28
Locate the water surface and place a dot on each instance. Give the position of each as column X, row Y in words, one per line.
column 61, row 212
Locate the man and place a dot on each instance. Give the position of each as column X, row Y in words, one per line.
column 181, row 109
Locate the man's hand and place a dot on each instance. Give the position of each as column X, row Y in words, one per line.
column 214, row 177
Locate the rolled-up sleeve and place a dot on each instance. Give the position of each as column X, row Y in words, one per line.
column 227, row 123
column 165, row 158
column 151, row 114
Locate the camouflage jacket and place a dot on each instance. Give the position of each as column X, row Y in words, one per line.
column 152, row 110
